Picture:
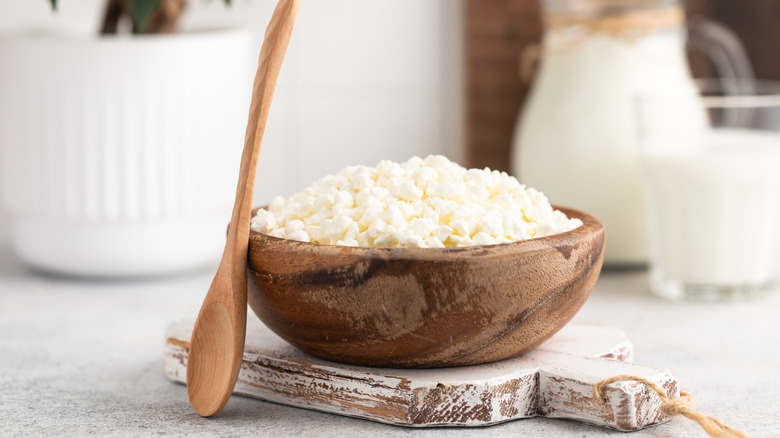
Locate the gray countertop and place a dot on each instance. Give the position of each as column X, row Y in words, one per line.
column 80, row 357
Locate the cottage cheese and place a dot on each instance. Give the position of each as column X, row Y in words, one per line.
column 422, row 203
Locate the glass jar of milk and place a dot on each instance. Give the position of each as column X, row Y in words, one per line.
column 576, row 138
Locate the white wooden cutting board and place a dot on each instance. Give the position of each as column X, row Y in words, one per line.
column 555, row 380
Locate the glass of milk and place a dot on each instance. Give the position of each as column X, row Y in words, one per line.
column 712, row 182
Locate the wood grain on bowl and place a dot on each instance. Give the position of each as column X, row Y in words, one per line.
column 423, row 307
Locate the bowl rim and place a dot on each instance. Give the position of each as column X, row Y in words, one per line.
column 590, row 226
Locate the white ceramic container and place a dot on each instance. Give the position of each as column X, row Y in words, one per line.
column 120, row 155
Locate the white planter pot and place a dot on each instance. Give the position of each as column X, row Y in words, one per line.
column 120, row 155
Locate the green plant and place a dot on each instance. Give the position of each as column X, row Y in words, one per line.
column 146, row 16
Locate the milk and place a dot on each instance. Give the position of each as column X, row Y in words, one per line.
column 713, row 209
column 577, row 139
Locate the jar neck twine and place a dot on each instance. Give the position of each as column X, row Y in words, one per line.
column 627, row 24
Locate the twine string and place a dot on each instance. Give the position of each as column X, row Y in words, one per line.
column 673, row 407
column 628, row 24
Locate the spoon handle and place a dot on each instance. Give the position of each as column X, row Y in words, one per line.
column 277, row 39
column 217, row 343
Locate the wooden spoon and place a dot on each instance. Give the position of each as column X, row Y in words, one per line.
column 217, row 344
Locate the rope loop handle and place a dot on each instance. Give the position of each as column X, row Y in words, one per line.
column 673, row 407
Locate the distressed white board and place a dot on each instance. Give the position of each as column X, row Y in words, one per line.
column 554, row 380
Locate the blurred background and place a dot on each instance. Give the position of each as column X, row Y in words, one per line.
column 363, row 81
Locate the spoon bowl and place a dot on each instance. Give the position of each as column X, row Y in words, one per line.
column 423, row 307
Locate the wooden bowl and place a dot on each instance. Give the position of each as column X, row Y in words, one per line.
column 423, row 307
